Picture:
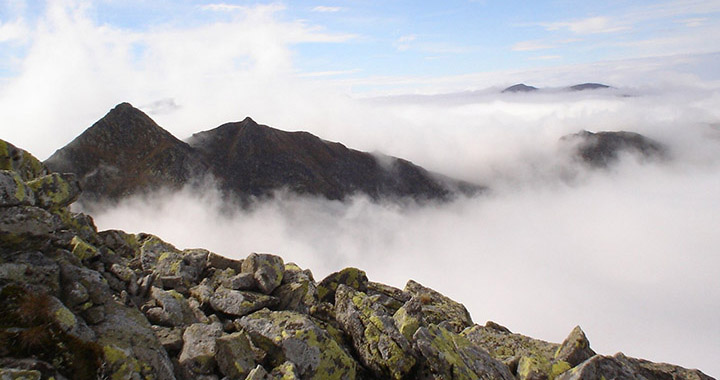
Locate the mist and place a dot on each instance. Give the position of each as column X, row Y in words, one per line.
column 628, row 253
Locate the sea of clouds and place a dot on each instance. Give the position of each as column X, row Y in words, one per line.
column 630, row 253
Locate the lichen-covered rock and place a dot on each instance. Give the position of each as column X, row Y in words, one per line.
column 538, row 367
column 285, row 371
column 352, row 277
column 221, row 262
column 298, row 291
column 238, row 303
column 390, row 297
column 165, row 260
column 379, row 344
column 20, row 161
column 293, row 273
column 446, row 355
column 258, row 373
column 508, row 347
column 439, row 309
column 173, row 309
column 294, row 337
column 19, row 374
column 22, row 226
column 13, row 191
column 171, row 338
column 575, row 349
column 82, row 249
column 652, row 370
column 240, row 281
column 199, row 348
column 266, row 269
column 235, row 356
column 32, row 269
column 55, row 190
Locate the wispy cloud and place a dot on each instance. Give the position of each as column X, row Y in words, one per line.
column 13, row 31
column 326, row 9
column 532, row 45
column 404, row 43
column 591, row 25
column 222, row 7
column 693, row 22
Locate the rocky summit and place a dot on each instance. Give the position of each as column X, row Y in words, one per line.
column 127, row 153
column 77, row 303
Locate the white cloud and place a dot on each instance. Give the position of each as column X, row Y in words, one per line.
column 14, row 31
column 591, row 25
column 221, row 7
column 326, row 9
column 532, row 45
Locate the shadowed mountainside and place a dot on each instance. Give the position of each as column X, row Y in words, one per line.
column 127, row 153
column 602, row 149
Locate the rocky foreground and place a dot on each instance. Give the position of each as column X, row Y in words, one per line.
column 81, row 304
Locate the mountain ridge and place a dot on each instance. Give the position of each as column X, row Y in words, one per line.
column 126, row 153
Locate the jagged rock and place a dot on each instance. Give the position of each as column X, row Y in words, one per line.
column 199, row 348
column 298, row 296
column 203, row 293
column 82, row 249
column 538, row 367
column 258, row 373
column 55, row 190
column 173, row 309
column 381, row 347
column 19, row 374
column 123, row 273
column 352, row 277
column 239, row 303
column 241, row 281
column 294, row 337
column 13, row 191
column 165, row 260
column 507, row 347
column 439, row 309
column 235, row 356
column 221, row 262
column 46, row 370
column 121, row 242
column 27, row 224
column 408, row 318
column 21, row 162
column 31, row 269
column 390, row 297
column 171, row 338
column 293, row 273
column 446, row 355
column 266, row 269
column 286, row 371
column 575, row 349
column 652, row 370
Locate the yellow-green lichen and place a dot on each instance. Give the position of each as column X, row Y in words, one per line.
column 121, row 365
column 558, row 368
column 65, row 318
column 82, row 249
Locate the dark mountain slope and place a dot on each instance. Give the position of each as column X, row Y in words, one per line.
column 603, row 148
column 521, row 87
column 125, row 153
column 255, row 159
column 588, row 86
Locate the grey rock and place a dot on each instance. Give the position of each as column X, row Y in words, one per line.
column 266, row 269
column 239, row 303
column 285, row 371
column 508, row 347
column 575, row 349
column 199, row 348
column 352, row 277
column 235, row 355
column 241, row 281
column 175, row 310
column 295, row 337
column 379, row 344
column 447, row 355
column 258, row 373
column 171, row 338
column 55, row 190
column 13, row 191
column 19, row 374
column 221, row 262
column 437, row 308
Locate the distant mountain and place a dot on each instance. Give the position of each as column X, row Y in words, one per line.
column 124, row 153
column 127, row 153
column 521, row 87
column 588, row 86
column 603, row 148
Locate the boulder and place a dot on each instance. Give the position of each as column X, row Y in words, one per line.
column 285, row 371
column 379, row 344
column 173, row 309
column 199, row 348
column 238, row 303
column 295, row 337
column 507, row 347
column 266, row 269
column 20, row 161
column 171, row 338
column 575, row 349
column 221, row 262
column 240, row 281
column 27, row 226
column 235, row 356
column 55, row 190
column 13, row 191
column 437, row 308
column 352, row 277
column 446, row 355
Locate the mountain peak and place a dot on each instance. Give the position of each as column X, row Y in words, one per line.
column 520, row 87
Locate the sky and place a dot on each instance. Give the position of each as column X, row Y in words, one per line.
column 629, row 254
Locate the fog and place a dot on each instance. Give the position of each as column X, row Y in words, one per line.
column 628, row 253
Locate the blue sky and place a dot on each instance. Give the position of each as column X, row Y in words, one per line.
column 414, row 38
